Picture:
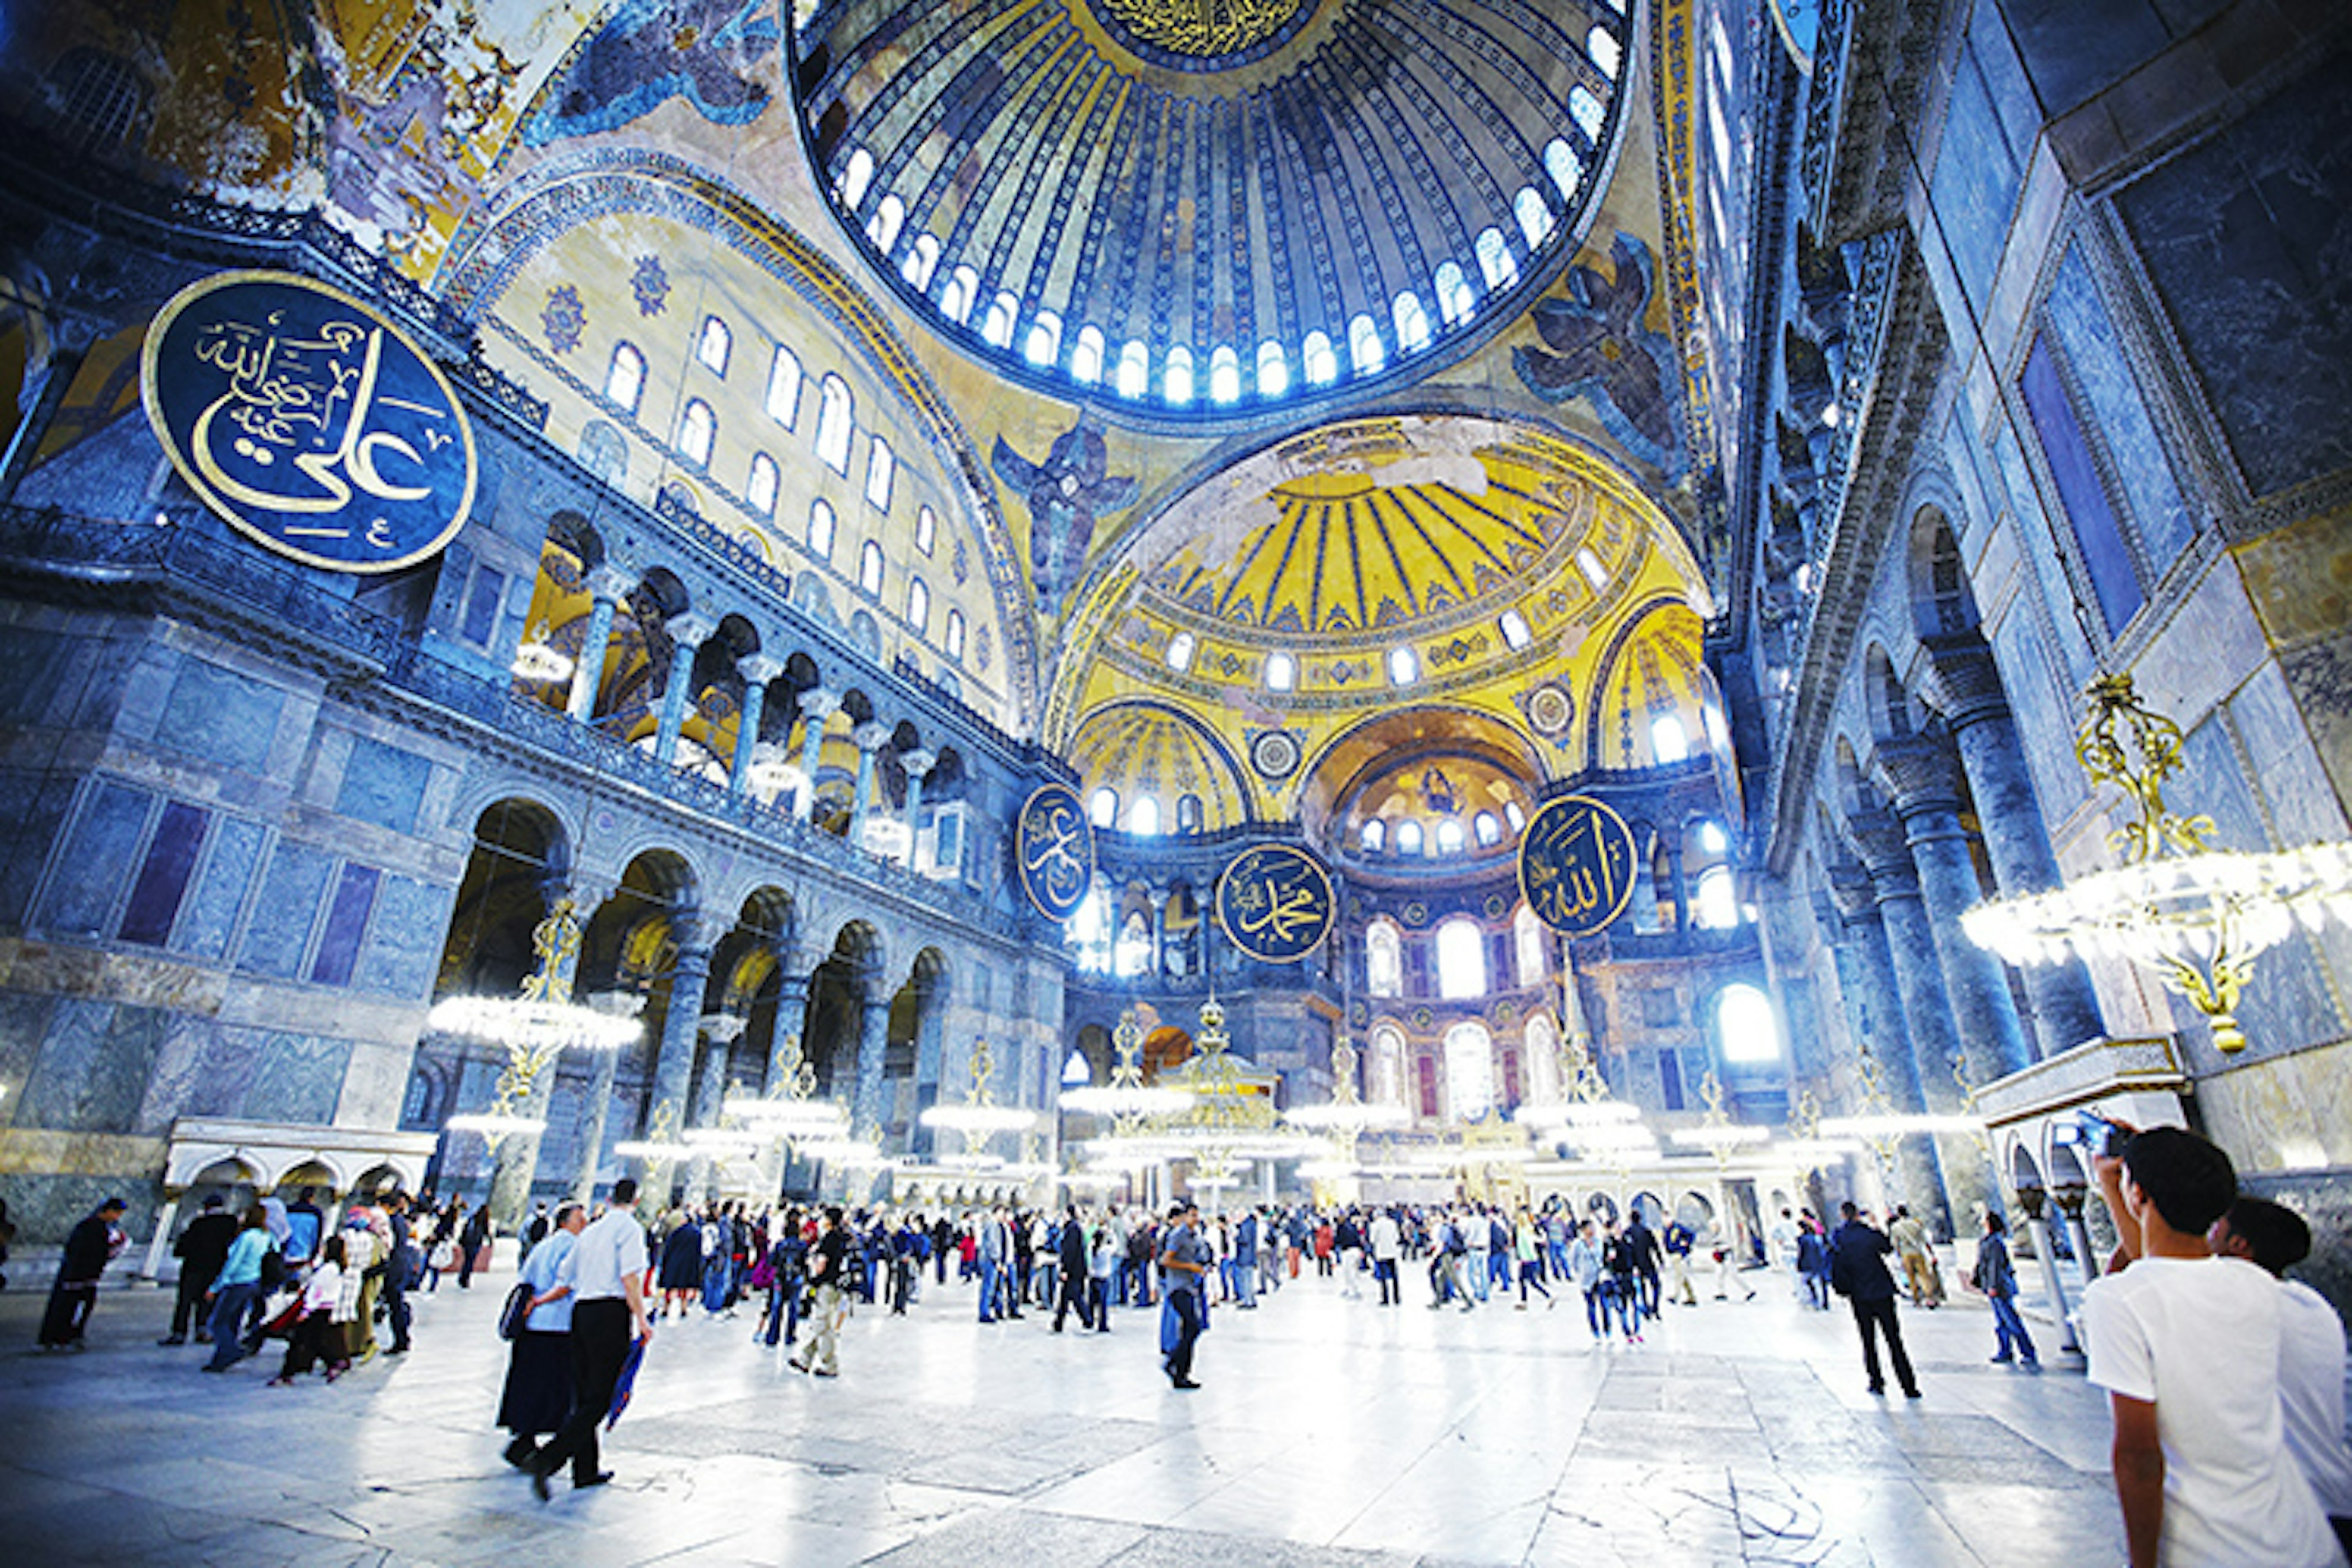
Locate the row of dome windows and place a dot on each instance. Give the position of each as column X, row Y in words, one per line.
column 1142, row 813
column 1367, row 352
column 1450, row 836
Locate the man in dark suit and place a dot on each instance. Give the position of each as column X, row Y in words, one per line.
column 1858, row 1272
column 200, row 1249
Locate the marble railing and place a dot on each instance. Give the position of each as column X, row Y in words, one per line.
column 2091, row 1069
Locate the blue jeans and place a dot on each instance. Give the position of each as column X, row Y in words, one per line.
column 1246, row 1272
column 1623, row 1296
column 784, row 1309
column 992, row 1291
column 1596, row 1310
column 2009, row 1329
column 229, row 1309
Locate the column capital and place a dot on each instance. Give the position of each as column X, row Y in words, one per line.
column 1852, row 891
column 692, row 931
column 614, row 580
column 871, row 736
column 818, row 702
column 1921, row 773
column 759, row 669
column 1963, row 680
column 918, row 764
column 689, row 631
column 1885, row 850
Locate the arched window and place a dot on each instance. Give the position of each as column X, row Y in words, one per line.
column 1487, row 830
column 882, row 228
column 1744, row 1022
column 698, row 430
column 1535, row 219
column 1461, row 959
column 625, row 378
column 602, row 452
column 1384, row 959
column 1590, row 564
column 1408, row 838
column 1494, row 262
column 996, row 327
column 783, row 401
column 1455, row 298
column 1566, row 173
column 1375, row 834
column 1045, row 345
column 1449, row 836
column 1387, row 1085
column 1514, row 626
column 1188, row 814
column 1224, row 375
column 1086, row 359
column 1143, row 816
column 1089, row 932
column 1469, row 1071
column 1411, row 322
column 869, row 568
column 1103, row 806
column 1364, row 348
column 881, row 469
column 1272, row 370
column 1076, row 1072
column 918, row 606
column 1404, row 667
column 1528, row 946
column 1542, row 1041
column 856, row 178
column 1669, row 742
column 1134, row 369
column 922, row 260
column 1515, row 817
column 1715, row 905
column 963, row 291
column 820, row 531
column 714, row 345
column 1176, row 381
column 1281, row 671
column 1134, row 954
column 1179, row 652
column 927, row 530
column 1322, row 365
column 759, row 490
column 954, row 640
column 837, row 419
column 1607, row 53
column 1585, row 109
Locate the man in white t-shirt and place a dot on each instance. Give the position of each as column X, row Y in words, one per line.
column 2311, row 1349
column 2187, row 1346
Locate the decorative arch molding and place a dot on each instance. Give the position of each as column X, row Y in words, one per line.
column 1203, row 736
column 1636, row 621
column 487, row 252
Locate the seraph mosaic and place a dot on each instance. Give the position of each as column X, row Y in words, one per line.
column 1067, row 495
column 1599, row 346
column 712, row 53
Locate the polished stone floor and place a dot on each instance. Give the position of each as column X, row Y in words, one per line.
column 1329, row 1432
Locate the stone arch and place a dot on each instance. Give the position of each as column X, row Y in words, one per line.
column 1942, row 602
column 520, row 850
column 1883, row 697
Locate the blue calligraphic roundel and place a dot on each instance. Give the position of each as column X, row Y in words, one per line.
column 1275, row 903
column 309, row 422
column 1576, row 865
column 1054, row 845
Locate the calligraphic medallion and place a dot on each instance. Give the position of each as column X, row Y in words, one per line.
column 1192, row 34
column 309, row 422
column 1054, row 845
column 1275, row 903
column 1576, row 865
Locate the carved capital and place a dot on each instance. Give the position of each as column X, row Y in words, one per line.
column 1922, row 774
column 870, row 737
column 759, row 669
column 817, row 703
column 1852, row 891
column 613, row 582
column 918, row 764
column 1885, row 850
column 1962, row 680
column 689, row 631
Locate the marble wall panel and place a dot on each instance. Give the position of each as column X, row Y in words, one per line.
column 2074, row 49
column 209, row 914
column 101, row 853
column 292, row 888
column 383, row 785
column 2095, row 354
column 232, row 1058
column 33, row 807
column 404, row 948
column 221, row 716
column 93, row 1072
column 298, row 1078
column 374, row 1077
column 2302, row 800
column 2320, row 676
column 24, row 1025
column 175, row 1084
column 1975, row 187
column 2247, row 239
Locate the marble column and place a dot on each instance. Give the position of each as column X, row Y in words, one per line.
column 666, row 1104
column 608, row 586
column 1925, row 774
column 757, row 671
column 686, row 634
column 2031, row 1200
column 600, row 1107
column 1158, row 897
column 1927, row 1006
column 870, row 738
column 919, row 766
column 1874, row 1009
column 1967, row 684
column 517, row 1165
column 873, row 1041
column 816, row 706
column 792, row 1019
column 721, row 1031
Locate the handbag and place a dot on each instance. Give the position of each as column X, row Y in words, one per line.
column 515, row 1315
column 445, row 1255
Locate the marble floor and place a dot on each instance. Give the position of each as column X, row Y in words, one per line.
column 1329, row 1432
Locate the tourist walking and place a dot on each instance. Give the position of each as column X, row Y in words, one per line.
column 1997, row 1280
column 537, row 1397
column 313, row 1338
column 1527, row 1247
column 1071, row 1248
column 1587, row 1269
column 1386, row 1243
column 237, row 1287
column 1184, row 1261
column 1917, row 1253
column 606, row 1271
column 828, row 1262
column 1858, row 1272
column 93, row 1243
column 200, row 1249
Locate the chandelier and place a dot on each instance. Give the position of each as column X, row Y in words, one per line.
column 1600, row 1125
column 790, row 1111
column 537, row 1025
column 536, row 659
column 980, row 1118
column 1126, row 1096
column 1717, row 1132
column 2196, row 915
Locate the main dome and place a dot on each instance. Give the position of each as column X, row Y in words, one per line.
column 1193, row 211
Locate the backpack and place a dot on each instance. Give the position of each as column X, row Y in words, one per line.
column 273, row 1269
